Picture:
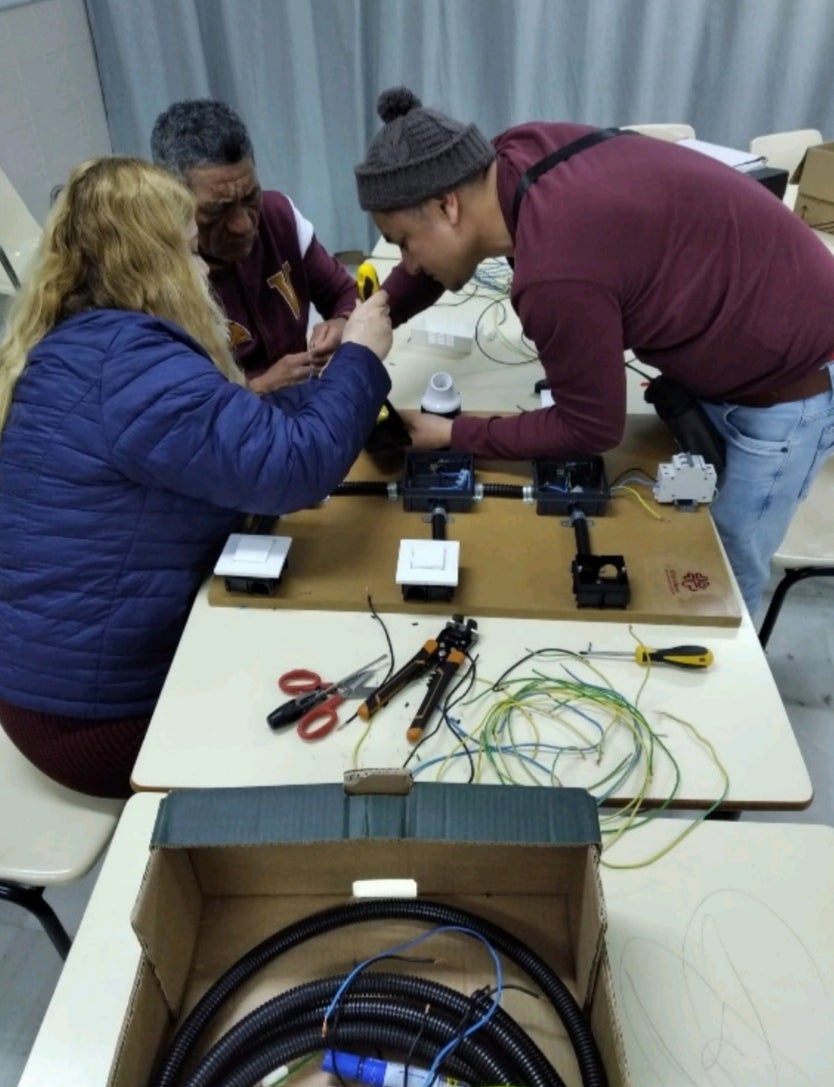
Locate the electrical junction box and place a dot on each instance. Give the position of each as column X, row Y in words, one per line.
column 253, row 563
column 560, row 486
column 443, row 332
column 438, row 477
column 687, row 480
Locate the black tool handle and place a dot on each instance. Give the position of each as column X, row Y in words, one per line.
column 410, row 670
column 293, row 710
column 437, row 688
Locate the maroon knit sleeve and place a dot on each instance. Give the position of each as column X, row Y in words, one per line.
column 408, row 294
column 332, row 291
column 577, row 330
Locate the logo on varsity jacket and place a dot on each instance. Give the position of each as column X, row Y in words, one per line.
column 282, row 283
column 238, row 334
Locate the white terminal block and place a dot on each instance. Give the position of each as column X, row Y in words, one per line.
column 253, row 555
column 428, row 562
column 444, row 332
column 686, row 480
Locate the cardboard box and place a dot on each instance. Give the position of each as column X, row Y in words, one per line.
column 231, row 867
column 814, row 202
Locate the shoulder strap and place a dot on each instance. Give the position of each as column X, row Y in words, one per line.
column 555, row 157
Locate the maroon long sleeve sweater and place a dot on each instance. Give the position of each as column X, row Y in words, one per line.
column 643, row 244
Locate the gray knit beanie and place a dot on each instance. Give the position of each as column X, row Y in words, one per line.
column 419, row 153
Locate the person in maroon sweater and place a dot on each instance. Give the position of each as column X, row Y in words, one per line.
column 630, row 242
column 266, row 265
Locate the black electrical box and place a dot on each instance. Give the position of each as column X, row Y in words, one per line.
column 560, row 486
column 252, row 586
column 600, row 581
column 438, row 478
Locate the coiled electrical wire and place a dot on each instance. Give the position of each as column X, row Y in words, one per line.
column 254, row 1066
column 380, row 487
column 503, row 490
column 359, row 486
column 433, row 913
column 503, row 1051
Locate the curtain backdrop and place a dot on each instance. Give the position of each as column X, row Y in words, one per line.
column 305, row 74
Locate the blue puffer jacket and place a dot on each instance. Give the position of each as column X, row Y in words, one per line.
column 124, row 464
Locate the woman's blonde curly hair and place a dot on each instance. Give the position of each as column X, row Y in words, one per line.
column 115, row 239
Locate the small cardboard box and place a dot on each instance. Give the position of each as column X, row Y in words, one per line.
column 231, row 867
column 814, row 202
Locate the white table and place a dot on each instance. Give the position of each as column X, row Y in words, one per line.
column 209, row 728
column 722, row 955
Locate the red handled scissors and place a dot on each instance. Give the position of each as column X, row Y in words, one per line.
column 315, row 703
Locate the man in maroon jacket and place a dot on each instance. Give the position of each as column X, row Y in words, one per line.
column 265, row 263
column 626, row 242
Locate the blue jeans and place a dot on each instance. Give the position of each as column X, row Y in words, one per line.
column 773, row 456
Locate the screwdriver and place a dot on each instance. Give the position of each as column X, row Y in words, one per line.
column 681, row 656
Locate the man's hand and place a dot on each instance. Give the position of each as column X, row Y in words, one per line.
column 325, row 337
column 289, row 370
column 370, row 325
column 427, row 431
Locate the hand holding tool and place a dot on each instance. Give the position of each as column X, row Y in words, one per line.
column 681, row 656
column 316, row 702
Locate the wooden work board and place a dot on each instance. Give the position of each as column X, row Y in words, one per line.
column 513, row 562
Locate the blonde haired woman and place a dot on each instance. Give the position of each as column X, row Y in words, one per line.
column 129, row 448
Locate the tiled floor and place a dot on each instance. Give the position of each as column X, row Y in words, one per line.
column 801, row 654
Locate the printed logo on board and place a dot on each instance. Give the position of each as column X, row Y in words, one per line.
column 693, row 580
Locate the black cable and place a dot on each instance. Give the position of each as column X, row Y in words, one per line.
column 375, row 615
column 254, row 1066
column 503, row 490
column 438, row 523
column 426, row 912
column 359, row 486
column 435, row 1011
column 352, row 487
column 409, row 1057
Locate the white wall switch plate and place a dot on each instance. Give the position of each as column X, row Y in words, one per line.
column 253, row 555
column 428, row 562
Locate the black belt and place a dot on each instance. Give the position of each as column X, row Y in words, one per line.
column 818, row 381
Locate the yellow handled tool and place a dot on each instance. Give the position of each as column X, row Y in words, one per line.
column 681, row 656
column 367, row 281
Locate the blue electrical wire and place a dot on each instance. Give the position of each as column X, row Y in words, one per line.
column 484, row 1019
